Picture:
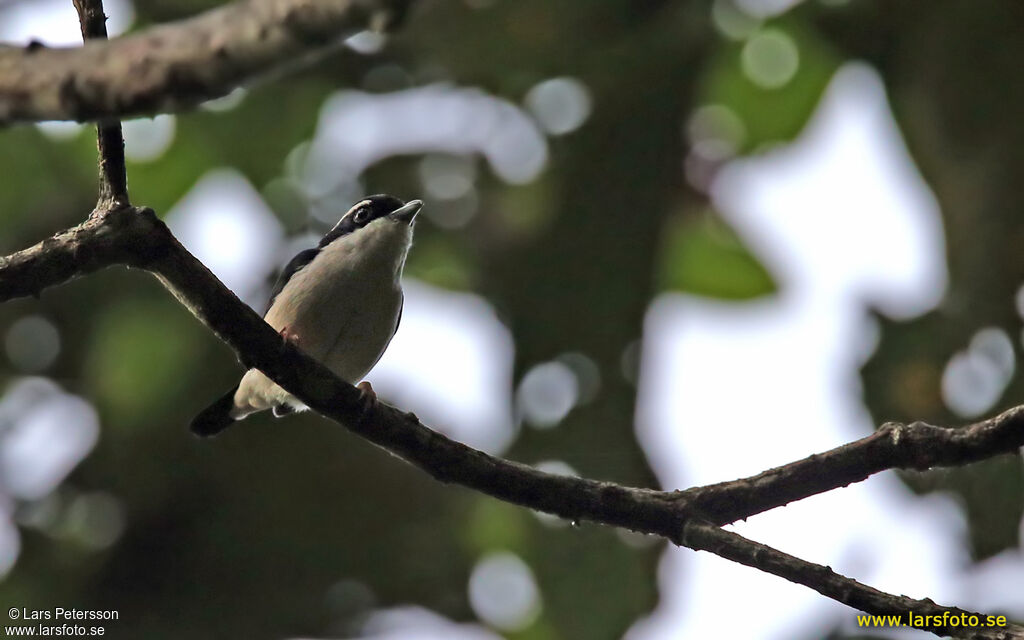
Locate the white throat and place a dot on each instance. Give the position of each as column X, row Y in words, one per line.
column 379, row 248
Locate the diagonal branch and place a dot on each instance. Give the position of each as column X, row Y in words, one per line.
column 135, row 237
column 215, row 45
column 921, row 614
column 175, row 66
column 127, row 238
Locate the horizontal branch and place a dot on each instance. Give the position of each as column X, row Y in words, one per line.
column 106, row 238
column 177, row 65
column 135, row 237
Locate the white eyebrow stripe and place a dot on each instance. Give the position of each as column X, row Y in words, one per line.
column 355, row 207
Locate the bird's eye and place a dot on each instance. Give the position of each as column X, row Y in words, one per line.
column 361, row 215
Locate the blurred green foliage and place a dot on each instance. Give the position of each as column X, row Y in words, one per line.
column 771, row 114
column 702, row 255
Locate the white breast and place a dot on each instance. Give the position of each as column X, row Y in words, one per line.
column 342, row 306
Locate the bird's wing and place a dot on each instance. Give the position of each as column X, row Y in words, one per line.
column 300, row 260
column 398, row 321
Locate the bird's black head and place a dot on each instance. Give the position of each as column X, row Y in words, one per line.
column 369, row 209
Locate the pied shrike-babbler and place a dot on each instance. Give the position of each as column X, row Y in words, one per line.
column 339, row 302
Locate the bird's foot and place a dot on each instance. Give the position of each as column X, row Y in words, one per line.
column 282, row 410
column 290, row 336
column 367, row 396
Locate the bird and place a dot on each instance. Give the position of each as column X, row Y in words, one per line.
column 339, row 302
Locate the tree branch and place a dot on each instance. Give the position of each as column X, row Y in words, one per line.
column 103, row 240
column 135, row 237
column 231, row 44
column 113, row 179
column 920, row 614
column 175, row 66
column 917, row 446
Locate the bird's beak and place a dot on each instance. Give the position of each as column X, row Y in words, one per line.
column 407, row 212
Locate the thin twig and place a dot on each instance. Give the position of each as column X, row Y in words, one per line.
column 113, row 179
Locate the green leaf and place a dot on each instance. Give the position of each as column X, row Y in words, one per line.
column 704, row 256
column 770, row 114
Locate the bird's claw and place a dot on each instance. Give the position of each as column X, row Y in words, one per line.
column 289, row 336
column 367, row 396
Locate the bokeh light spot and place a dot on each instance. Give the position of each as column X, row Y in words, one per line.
column 561, row 105
column 228, row 226
column 731, row 21
column 546, row 394
column 715, row 131
column 556, row 467
column 348, row 600
column 975, row 379
column 60, row 130
column 367, row 42
column 48, row 433
column 10, row 545
column 447, row 177
column 765, row 8
column 1019, row 300
column 770, row 59
column 503, row 593
column 357, row 130
column 32, row 344
column 588, row 375
column 95, row 520
column 418, row 623
column 55, row 22
column 629, row 362
column 146, row 139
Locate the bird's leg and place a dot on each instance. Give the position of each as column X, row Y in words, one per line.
column 367, row 396
column 290, row 336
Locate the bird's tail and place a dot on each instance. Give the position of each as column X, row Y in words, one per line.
column 216, row 417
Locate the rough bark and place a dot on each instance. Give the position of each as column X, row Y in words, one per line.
column 178, row 65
